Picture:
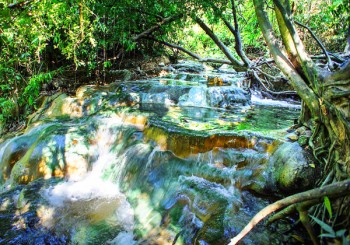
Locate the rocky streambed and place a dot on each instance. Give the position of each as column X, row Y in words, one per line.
column 179, row 158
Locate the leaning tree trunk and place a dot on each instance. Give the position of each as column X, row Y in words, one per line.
column 325, row 94
column 326, row 97
column 237, row 64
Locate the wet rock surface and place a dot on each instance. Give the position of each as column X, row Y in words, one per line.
column 289, row 169
column 153, row 160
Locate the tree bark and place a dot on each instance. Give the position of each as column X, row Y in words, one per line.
column 238, row 65
column 284, row 63
column 156, row 27
column 193, row 55
column 289, row 32
column 325, row 95
column 347, row 46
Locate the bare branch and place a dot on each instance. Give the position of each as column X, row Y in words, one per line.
column 329, row 60
column 238, row 45
column 193, row 55
column 156, row 27
column 235, row 31
column 172, row 45
column 238, row 65
column 270, row 91
column 268, row 75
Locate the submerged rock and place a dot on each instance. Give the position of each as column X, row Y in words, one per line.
column 197, row 96
column 28, row 216
column 227, row 97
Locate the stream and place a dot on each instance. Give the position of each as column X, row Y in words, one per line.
column 169, row 160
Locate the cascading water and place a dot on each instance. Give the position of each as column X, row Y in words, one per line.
column 135, row 165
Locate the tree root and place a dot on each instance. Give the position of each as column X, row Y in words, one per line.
column 304, row 199
column 268, row 90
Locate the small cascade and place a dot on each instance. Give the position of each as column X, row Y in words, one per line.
column 170, row 159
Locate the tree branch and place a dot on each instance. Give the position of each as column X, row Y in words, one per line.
column 235, row 31
column 334, row 190
column 237, row 35
column 238, row 65
column 175, row 46
column 193, row 55
column 156, row 27
column 270, row 91
column 329, row 60
column 307, row 65
column 298, row 83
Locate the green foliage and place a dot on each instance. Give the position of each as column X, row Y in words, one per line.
column 329, row 231
column 38, row 37
column 328, row 206
column 31, row 91
column 328, row 19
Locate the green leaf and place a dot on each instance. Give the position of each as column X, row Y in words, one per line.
column 323, row 225
column 340, row 233
column 328, row 235
column 328, row 205
column 30, row 100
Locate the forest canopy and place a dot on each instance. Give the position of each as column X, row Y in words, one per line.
column 42, row 39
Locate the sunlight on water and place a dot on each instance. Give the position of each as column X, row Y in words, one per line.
column 91, row 197
column 91, row 185
column 174, row 167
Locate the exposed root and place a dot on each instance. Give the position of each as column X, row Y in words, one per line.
column 332, row 191
column 255, row 75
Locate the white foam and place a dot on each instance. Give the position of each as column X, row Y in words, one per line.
column 91, row 185
column 86, row 189
column 280, row 103
column 124, row 238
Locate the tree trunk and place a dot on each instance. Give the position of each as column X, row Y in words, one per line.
column 347, row 46
column 238, row 65
column 326, row 95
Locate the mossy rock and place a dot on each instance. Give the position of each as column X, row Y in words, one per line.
column 289, row 169
column 293, row 168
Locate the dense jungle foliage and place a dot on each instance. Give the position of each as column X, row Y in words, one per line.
column 48, row 44
column 40, row 40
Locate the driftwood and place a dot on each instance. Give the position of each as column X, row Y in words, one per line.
column 337, row 189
